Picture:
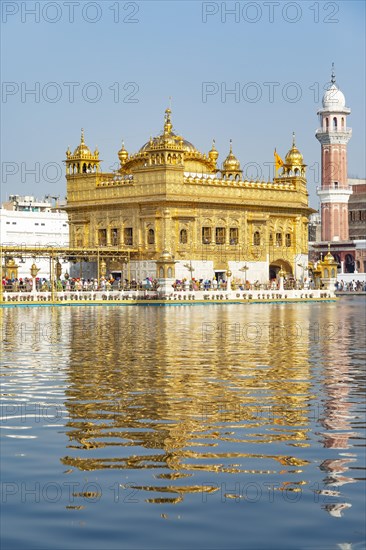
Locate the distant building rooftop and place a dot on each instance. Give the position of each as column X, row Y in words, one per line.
column 28, row 203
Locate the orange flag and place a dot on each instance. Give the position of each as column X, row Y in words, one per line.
column 278, row 161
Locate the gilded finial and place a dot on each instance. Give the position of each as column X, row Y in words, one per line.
column 168, row 124
column 82, row 136
column 293, row 139
column 333, row 77
column 123, row 154
column 231, row 163
column 213, row 155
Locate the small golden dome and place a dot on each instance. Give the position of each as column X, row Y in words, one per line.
column 213, row 154
column 82, row 149
column 123, row 154
column 294, row 157
column 329, row 259
column 231, row 163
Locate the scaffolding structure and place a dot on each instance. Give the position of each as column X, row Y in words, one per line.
column 54, row 254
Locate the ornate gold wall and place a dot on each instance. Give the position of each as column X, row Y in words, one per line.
column 171, row 197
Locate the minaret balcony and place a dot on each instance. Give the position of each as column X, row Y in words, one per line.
column 327, row 136
column 336, row 131
column 329, row 194
column 335, row 187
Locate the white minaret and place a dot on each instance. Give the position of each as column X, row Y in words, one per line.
column 335, row 191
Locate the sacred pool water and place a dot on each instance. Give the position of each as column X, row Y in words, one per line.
column 217, row 426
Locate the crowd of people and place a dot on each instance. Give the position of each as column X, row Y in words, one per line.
column 76, row 284
column 352, row 286
column 108, row 284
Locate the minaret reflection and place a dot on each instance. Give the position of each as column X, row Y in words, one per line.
column 151, row 390
column 335, row 350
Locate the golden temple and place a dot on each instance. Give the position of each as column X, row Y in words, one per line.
column 182, row 216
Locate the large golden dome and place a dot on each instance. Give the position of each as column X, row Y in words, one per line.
column 168, row 139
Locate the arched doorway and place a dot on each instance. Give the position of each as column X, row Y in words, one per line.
column 350, row 263
column 338, row 260
column 275, row 267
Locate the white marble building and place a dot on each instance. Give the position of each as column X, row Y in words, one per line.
column 26, row 221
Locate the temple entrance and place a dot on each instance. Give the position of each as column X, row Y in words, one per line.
column 220, row 275
column 276, row 266
column 273, row 272
column 350, row 263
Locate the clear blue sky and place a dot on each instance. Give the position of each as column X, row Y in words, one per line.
column 147, row 51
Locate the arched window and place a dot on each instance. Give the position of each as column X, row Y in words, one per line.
column 327, row 123
column 335, row 123
column 288, row 239
column 278, row 239
column 102, row 237
column 256, row 238
column 114, row 236
column 84, row 168
column 206, row 235
column 234, row 235
column 150, row 236
column 220, row 235
column 342, row 123
column 170, row 273
column 183, row 237
column 128, row 236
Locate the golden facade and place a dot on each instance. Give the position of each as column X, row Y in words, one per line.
column 169, row 200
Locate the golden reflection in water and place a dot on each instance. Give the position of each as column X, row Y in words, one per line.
column 148, row 389
column 148, row 381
